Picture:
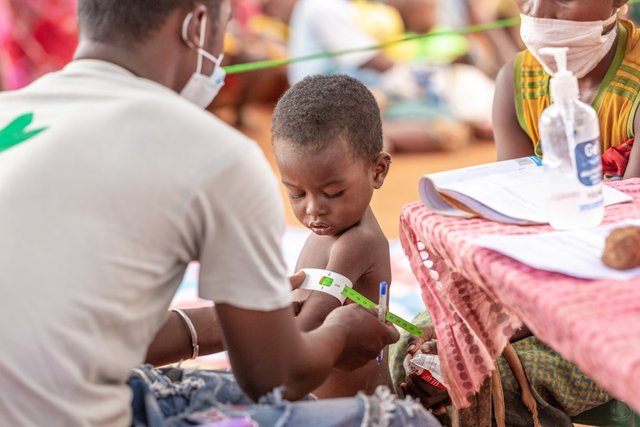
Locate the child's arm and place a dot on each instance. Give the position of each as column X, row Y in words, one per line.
column 511, row 140
column 350, row 256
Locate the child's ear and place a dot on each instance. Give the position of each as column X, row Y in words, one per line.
column 381, row 167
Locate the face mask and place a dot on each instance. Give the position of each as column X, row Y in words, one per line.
column 587, row 45
column 201, row 89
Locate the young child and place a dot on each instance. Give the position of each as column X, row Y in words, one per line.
column 603, row 52
column 327, row 139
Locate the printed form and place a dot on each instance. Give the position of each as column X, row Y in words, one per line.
column 576, row 253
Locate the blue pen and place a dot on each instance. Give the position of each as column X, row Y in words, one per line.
column 382, row 310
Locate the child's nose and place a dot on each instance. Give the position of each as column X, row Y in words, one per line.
column 315, row 207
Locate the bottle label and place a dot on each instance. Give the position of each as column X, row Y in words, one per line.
column 589, row 163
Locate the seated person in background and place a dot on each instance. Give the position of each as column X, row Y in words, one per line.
column 253, row 35
column 606, row 67
column 445, row 76
column 358, row 24
column 327, row 140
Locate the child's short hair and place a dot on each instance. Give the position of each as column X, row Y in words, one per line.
column 326, row 107
column 132, row 21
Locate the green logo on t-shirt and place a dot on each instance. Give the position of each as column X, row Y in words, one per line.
column 16, row 132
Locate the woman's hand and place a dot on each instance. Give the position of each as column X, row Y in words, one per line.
column 415, row 343
column 430, row 396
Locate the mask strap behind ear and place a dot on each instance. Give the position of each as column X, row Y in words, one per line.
column 203, row 30
column 185, row 27
column 613, row 18
column 189, row 43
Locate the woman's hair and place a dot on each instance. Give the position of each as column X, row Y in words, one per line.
column 130, row 21
column 323, row 108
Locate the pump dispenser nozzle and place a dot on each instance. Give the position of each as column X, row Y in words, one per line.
column 564, row 84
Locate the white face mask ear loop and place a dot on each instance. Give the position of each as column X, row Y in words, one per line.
column 210, row 57
column 201, row 51
column 185, row 27
column 189, row 43
column 610, row 20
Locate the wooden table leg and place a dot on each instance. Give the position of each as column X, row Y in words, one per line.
column 479, row 413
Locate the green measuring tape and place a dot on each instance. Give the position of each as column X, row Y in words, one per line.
column 358, row 298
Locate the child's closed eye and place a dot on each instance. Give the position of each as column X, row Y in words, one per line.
column 333, row 195
column 296, row 196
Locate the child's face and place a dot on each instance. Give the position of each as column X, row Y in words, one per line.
column 570, row 10
column 329, row 190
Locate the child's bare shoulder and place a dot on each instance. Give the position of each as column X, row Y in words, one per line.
column 363, row 235
column 360, row 247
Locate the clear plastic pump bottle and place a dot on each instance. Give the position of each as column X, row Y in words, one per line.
column 570, row 138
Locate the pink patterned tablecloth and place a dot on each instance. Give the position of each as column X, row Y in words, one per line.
column 478, row 297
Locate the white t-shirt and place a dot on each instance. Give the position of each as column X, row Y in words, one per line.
column 320, row 25
column 100, row 213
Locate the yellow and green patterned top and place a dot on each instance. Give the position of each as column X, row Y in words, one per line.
column 616, row 102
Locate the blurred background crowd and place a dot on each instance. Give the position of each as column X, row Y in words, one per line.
column 435, row 92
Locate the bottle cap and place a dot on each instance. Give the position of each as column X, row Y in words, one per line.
column 564, row 84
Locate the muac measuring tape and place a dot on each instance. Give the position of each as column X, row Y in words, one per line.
column 340, row 287
column 357, row 297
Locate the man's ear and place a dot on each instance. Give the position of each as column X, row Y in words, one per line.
column 619, row 3
column 192, row 33
column 381, row 166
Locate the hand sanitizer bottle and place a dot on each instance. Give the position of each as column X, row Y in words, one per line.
column 570, row 138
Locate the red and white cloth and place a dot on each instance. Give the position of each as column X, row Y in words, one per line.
column 478, row 297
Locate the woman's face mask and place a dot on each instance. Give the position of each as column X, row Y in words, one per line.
column 586, row 42
column 202, row 89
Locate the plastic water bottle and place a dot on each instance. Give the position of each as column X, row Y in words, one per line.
column 570, row 138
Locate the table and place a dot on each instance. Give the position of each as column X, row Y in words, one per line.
column 478, row 298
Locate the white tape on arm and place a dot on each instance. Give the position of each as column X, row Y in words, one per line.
column 326, row 281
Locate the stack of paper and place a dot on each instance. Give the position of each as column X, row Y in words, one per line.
column 510, row 191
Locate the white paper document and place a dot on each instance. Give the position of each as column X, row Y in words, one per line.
column 510, row 191
column 575, row 253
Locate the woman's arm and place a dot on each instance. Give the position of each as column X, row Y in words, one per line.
column 633, row 165
column 511, row 141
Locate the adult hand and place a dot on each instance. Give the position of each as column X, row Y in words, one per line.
column 366, row 335
column 430, row 396
column 297, row 279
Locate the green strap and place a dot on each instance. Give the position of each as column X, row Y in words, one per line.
column 358, row 298
column 271, row 63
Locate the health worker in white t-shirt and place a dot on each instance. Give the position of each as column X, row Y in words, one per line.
column 112, row 179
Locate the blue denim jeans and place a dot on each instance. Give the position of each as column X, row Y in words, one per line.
column 172, row 397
